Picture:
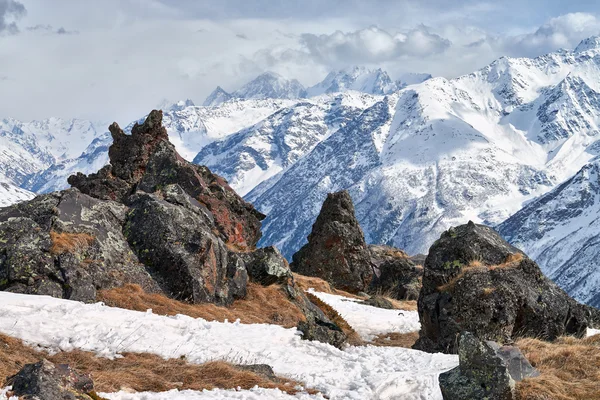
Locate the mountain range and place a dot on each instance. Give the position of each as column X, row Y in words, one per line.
column 509, row 145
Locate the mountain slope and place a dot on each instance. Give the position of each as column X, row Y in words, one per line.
column 260, row 151
column 475, row 147
column 561, row 231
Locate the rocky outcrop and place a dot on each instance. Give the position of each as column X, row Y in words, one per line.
column 47, row 381
column 396, row 274
column 147, row 161
column 336, row 250
column 475, row 281
column 149, row 218
column 486, row 371
column 67, row 245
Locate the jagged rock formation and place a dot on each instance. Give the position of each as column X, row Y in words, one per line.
column 147, row 161
column 47, row 381
column 486, row 371
column 336, row 249
column 396, row 274
column 150, row 218
column 475, row 281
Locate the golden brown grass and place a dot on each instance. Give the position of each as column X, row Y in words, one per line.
column 395, row 339
column 336, row 318
column 476, row 266
column 570, row 369
column 141, row 372
column 69, row 242
column 262, row 304
column 320, row 285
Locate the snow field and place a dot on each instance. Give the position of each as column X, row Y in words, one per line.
column 364, row 372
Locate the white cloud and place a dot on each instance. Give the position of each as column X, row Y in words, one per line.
column 372, row 45
column 130, row 54
column 564, row 31
column 10, row 11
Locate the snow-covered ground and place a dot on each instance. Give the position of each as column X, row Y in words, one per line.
column 364, row 372
column 369, row 321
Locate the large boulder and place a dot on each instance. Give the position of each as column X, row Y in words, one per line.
column 147, row 161
column 336, row 250
column 67, row 245
column 172, row 235
column 475, row 281
column 47, row 381
column 486, row 371
column 396, row 275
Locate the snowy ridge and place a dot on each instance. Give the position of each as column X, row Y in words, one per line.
column 263, row 150
column 364, row 372
column 447, row 151
column 561, row 231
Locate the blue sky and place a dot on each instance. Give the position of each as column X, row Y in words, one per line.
column 116, row 59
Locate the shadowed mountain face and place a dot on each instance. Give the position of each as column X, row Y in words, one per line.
column 561, row 231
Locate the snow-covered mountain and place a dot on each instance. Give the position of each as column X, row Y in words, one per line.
column 29, row 147
column 357, row 78
column 270, row 146
column 268, row 85
column 444, row 151
column 561, row 231
column 10, row 194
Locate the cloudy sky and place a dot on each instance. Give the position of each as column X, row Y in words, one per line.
column 116, row 59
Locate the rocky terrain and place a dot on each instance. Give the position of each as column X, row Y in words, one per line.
column 149, row 218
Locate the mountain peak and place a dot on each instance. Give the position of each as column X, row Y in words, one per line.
column 591, row 43
column 360, row 78
column 270, row 85
column 217, row 97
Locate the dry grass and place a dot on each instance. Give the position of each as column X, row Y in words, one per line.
column 570, row 369
column 320, row 285
column 353, row 337
column 262, row 304
column 511, row 261
column 141, row 372
column 404, row 305
column 70, row 242
column 476, row 266
column 395, row 339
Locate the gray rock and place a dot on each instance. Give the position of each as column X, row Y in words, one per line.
column 47, row 381
column 475, row 281
column 379, row 302
column 267, row 266
column 336, row 250
column 180, row 250
column 395, row 274
column 486, row 371
column 68, row 245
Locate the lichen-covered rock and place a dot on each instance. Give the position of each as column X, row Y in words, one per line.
column 336, row 250
column 47, row 381
column 396, row 274
column 475, row 281
column 67, row 245
column 177, row 245
column 379, row 302
column 267, row 266
column 147, row 161
column 486, row 371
